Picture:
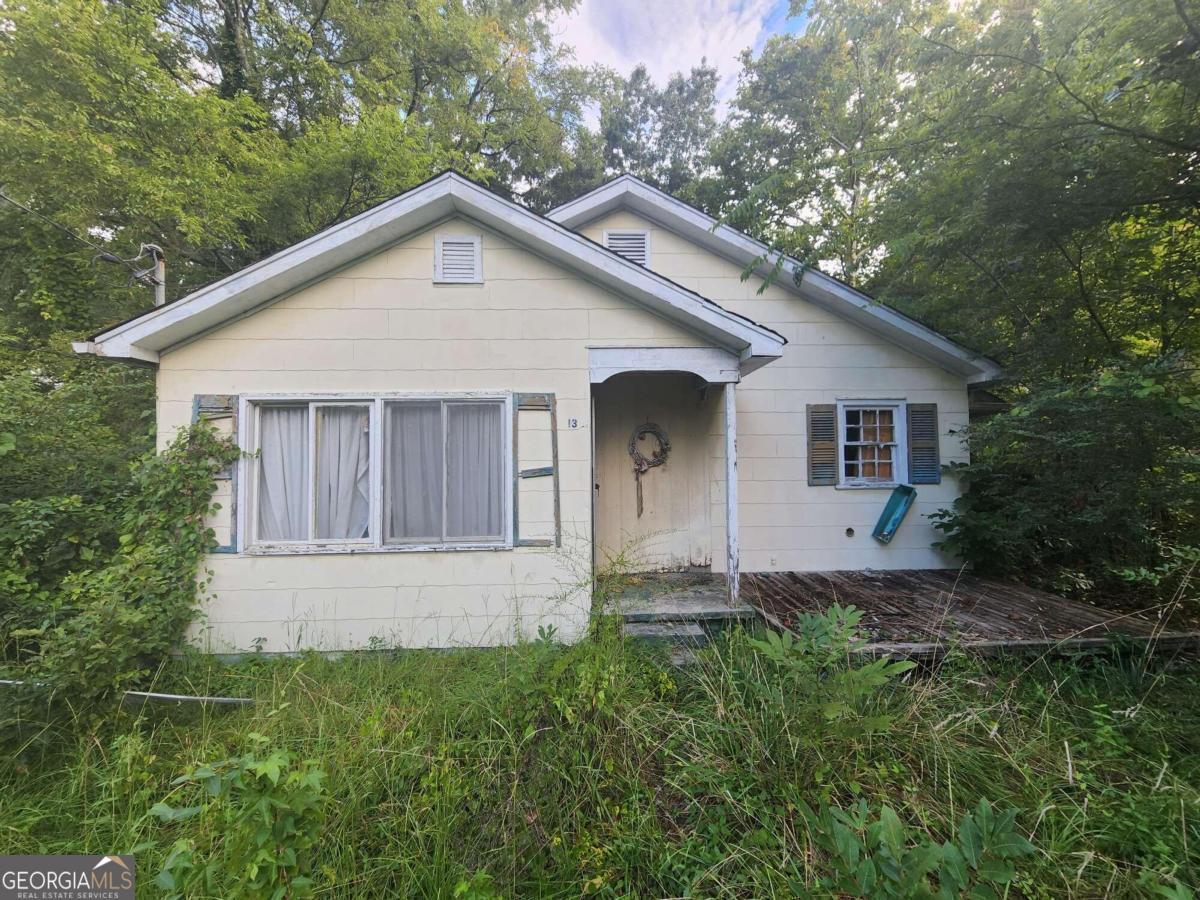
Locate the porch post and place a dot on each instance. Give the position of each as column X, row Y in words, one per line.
column 731, row 491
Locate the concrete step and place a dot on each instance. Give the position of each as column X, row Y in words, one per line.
column 667, row 634
column 680, row 607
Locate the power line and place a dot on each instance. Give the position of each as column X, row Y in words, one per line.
column 107, row 255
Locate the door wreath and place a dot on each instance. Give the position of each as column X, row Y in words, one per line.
column 643, row 463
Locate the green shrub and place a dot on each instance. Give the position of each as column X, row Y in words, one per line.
column 73, row 426
column 1081, row 480
column 258, row 814
column 41, row 542
column 106, row 626
column 815, row 667
column 882, row 857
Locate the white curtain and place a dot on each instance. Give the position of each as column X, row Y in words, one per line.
column 343, row 482
column 283, row 468
column 474, row 470
column 414, row 471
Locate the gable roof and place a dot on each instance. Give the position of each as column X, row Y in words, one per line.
column 628, row 192
column 145, row 336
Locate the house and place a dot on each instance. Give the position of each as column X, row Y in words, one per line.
column 442, row 393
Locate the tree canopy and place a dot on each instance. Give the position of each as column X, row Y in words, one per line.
column 1020, row 175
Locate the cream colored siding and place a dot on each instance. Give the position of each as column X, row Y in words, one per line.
column 784, row 523
column 381, row 326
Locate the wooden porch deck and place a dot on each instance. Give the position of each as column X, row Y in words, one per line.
column 924, row 610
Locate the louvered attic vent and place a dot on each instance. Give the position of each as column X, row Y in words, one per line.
column 633, row 245
column 458, row 259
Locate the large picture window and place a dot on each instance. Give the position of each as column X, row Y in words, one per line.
column 420, row 472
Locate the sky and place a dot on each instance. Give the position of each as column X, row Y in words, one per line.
column 673, row 35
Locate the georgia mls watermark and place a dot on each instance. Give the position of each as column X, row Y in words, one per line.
column 66, row 877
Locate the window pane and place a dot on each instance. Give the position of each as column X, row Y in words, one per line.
column 869, row 421
column 413, row 471
column 343, row 483
column 283, row 473
column 474, row 470
column 887, row 431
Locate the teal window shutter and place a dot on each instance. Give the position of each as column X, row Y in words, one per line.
column 924, row 459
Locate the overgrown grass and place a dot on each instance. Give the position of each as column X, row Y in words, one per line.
column 544, row 770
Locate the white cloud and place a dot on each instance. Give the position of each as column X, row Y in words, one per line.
column 670, row 36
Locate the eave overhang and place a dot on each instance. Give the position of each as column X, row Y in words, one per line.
column 146, row 336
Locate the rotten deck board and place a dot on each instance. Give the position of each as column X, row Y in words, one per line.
column 934, row 606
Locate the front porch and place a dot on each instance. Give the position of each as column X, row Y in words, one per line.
column 918, row 612
column 924, row 612
column 665, row 465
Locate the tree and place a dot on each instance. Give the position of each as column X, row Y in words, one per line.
column 659, row 135
column 816, row 114
column 1049, row 206
column 484, row 76
column 1020, row 175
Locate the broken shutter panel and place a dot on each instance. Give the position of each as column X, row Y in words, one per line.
column 221, row 411
column 822, row 444
column 924, row 461
column 536, row 413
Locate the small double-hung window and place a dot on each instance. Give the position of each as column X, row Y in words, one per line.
column 379, row 473
column 872, row 445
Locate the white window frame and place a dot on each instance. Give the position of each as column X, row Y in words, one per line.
column 644, row 232
column 247, row 501
column 899, row 462
column 440, row 277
